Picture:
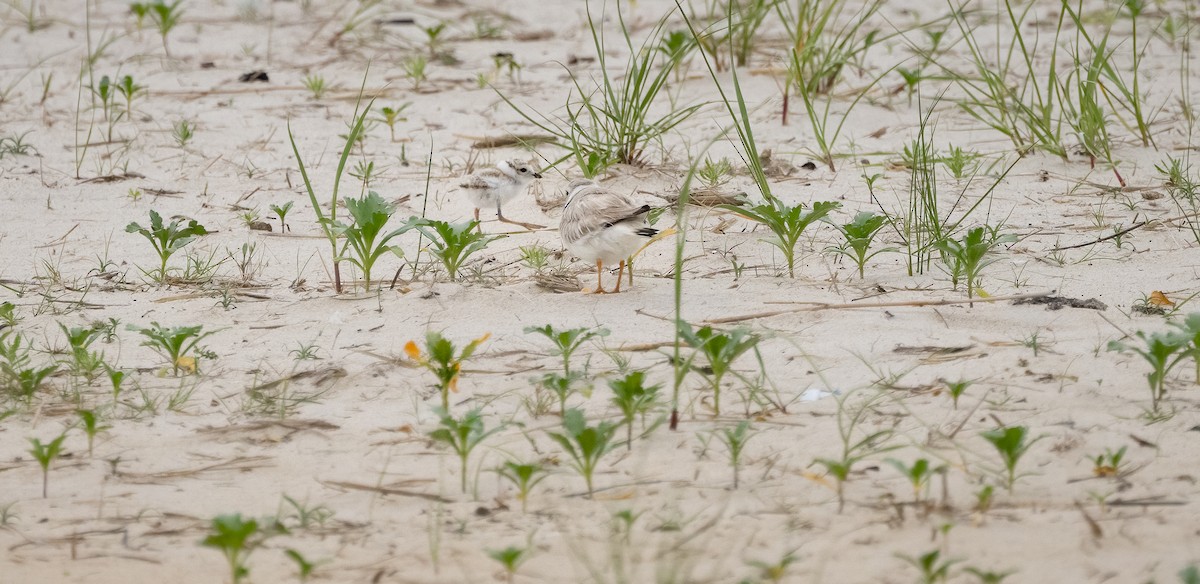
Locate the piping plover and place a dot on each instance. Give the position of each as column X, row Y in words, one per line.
column 495, row 185
column 601, row 226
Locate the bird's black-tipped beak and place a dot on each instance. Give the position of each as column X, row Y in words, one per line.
column 537, row 175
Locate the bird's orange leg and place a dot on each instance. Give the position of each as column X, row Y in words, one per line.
column 621, row 272
column 599, row 278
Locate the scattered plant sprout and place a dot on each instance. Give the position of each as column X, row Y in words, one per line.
column 854, row 449
column 735, row 440
column 462, row 435
column 237, row 538
column 1010, row 442
column 585, row 444
column 510, row 558
column 859, row 233
column 567, row 341
column 140, row 11
column 183, row 131
column 177, row 344
column 1162, row 351
column 91, row 426
column 524, row 476
column 390, row 115
column 720, row 350
column 1108, row 464
column 84, row 362
column 988, row 576
column 129, row 90
column 918, row 475
column 303, row 566
column 166, row 239
column 316, row 85
column 562, row 386
column 281, row 212
column 634, row 398
column 365, row 237
column 931, row 566
column 165, row 17
column 45, row 455
column 326, row 222
column 967, row 257
column 414, row 69
column 786, row 222
column 1189, row 329
column 115, row 377
column 441, row 359
column 453, row 243
column 957, row 388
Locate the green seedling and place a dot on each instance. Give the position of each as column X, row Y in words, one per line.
column 1010, row 442
column 853, row 451
column 306, row 515
column 166, row 239
column 1162, row 351
column 715, row 173
column 129, row 90
column 1190, row 575
column 176, row 344
column 365, row 237
column 165, row 17
column 390, row 115
column 462, row 435
column 786, row 222
column 441, row 359
column 316, row 85
column 281, row 212
column 735, row 440
column 957, row 389
column 183, row 131
column 303, row 567
column 415, row 70
column 45, row 455
column 859, row 234
column 567, row 341
column 433, row 37
column 1190, row 330
column 960, row 163
column 585, row 444
column 967, row 257
column 989, row 576
column 84, row 362
column 562, row 386
column 523, row 476
column 91, row 426
column 1108, row 464
column 237, row 538
column 115, row 377
column 918, row 475
column 140, row 11
column 720, row 350
column 18, row 377
column 634, row 398
column 510, row 558
column 535, row 257
column 933, row 569
column 774, row 571
column 453, row 243
column 365, row 172
column 8, row 314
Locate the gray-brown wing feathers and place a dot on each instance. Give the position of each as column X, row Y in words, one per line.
column 595, row 209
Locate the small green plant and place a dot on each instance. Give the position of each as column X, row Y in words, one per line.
column 462, row 435
column 129, row 90
column 966, row 258
column 390, row 115
column 83, row 362
column 786, row 222
column 183, row 131
column 524, row 476
column 365, row 237
column 957, row 389
column 165, row 17
column 849, row 420
column 441, row 359
column 988, row 576
column 140, row 11
column 304, row 567
column 45, row 455
column 585, row 444
column 510, row 558
column 918, row 475
column 453, row 243
column 1190, row 575
column 1108, row 464
column 1011, row 443
column 536, row 257
column 715, row 173
column 1163, row 351
column 8, row 314
column 859, row 233
column 115, row 377
column 166, row 239
column 960, row 163
column 720, row 350
column 933, row 569
column 315, row 84
column 237, row 538
column 414, row 69
column 634, row 398
column 281, row 212
column 567, row 341
column 735, row 440
column 562, row 386
column 433, row 37
column 177, row 344
column 1189, row 329
column 91, row 426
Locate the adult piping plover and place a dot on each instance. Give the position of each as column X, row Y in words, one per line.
column 601, row 226
column 503, row 182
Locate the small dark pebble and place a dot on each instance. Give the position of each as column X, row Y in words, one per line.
column 810, row 165
column 260, row 226
column 254, row 76
column 208, row 65
column 482, row 512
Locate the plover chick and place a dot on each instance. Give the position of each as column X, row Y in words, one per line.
column 495, row 185
column 601, row 226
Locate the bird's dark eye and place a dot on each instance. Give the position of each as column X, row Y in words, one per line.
column 523, row 169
